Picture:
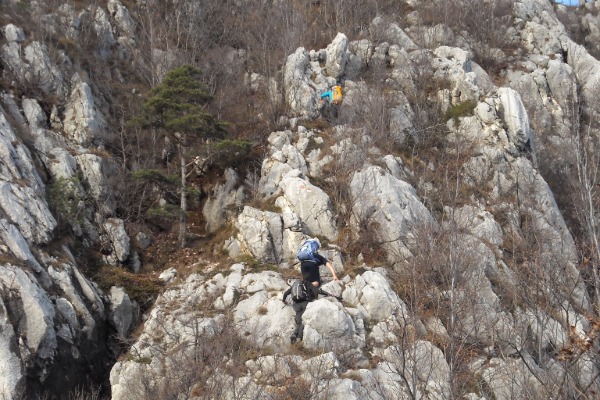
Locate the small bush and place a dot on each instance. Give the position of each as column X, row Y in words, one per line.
column 256, row 265
column 142, row 288
column 155, row 175
column 164, row 216
column 65, row 201
column 232, row 153
column 463, row 109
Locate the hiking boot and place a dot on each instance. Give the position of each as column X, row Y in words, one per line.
column 293, row 339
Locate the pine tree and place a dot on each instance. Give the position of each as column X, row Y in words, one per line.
column 178, row 108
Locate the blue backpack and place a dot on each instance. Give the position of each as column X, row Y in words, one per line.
column 308, row 251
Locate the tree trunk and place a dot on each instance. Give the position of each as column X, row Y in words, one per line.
column 183, row 205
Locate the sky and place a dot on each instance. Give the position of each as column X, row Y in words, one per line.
column 568, row 2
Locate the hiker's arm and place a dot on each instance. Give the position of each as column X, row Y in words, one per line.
column 328, row 265
column 286, row 294
column 324, row 293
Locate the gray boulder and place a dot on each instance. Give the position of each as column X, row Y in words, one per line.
column 265, row 320
column 381, row 30
column 168, row 275
column 118, row 240
column 122, row 311
column 13, row 33
column 328, row 325
column 512, row 378
column 260, row 234
column 372, row 295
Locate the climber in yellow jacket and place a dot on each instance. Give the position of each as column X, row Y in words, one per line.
column 333, row 96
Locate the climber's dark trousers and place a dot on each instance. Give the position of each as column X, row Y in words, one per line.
column 299, row 308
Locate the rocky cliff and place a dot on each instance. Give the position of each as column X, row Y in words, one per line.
column 461, row 276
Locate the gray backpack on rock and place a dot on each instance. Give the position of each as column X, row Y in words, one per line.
column 300, row 291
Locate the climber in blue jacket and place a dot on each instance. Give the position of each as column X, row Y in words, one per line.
column 327, row 94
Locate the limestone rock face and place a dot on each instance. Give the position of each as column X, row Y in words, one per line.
column 561, row 82
column 94, row 170
column 32, row 65
column 103, row 29
column 512, row 112
column 260, row 234
column 427, row 362
column 122, row 311
column 336, row 56
column 36, row 307
column 375, row 298
column 25, row 205
column 351, row 179
column 300, row 95
column 391, row 33
column 11, row 365
column 13, row 33
column 511, row 378
column 311, row 204
column 360, row 53
column 284, row 158
column 117, row 239
column 122, row 18
column 392, row 204
column 468, row 79
column 480, row 223
column 53, row 318
column 83, row 122
column 224, row 197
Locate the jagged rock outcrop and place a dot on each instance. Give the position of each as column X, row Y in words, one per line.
column 32, row 66
column 502, row 162
column 390, row 204
column 260, row 315
column 300, row 94
column 310, row 203
column 56, row 323
column 260, row 234
column 336, row 56
column 83, row 123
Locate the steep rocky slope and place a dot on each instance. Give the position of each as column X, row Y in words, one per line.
column 464, row 280
column 474, row 341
